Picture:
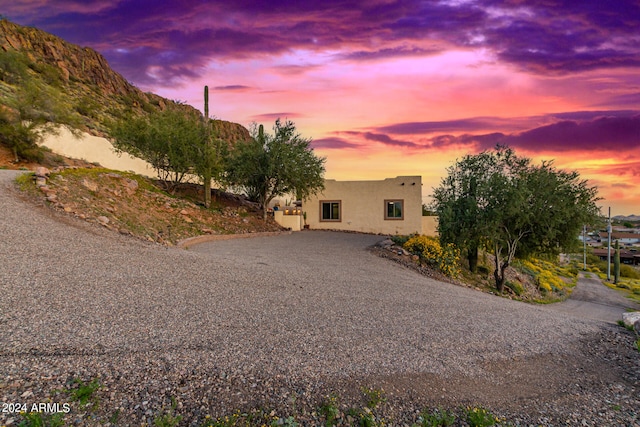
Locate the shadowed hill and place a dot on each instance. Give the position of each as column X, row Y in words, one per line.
column 82, row 76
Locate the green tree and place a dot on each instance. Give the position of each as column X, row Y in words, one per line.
column 172, row 141
column 274, row 165
column 34, row 111
column 457, row 206
column 505, row 203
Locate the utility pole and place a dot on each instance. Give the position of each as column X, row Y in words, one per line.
column 584, row 244
column 609, row 247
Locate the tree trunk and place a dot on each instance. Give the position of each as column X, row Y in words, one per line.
column 207, row 191
column 498, row 274
column 500, row 267
column 472, row 257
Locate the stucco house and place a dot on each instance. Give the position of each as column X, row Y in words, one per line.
column 389, row 206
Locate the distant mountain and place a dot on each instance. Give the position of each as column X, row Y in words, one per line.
column 631, row 218
column 83, row 76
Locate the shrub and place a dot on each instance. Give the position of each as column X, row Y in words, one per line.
column 481, row 269
column 515, row 287
column 480, row 417
column 546, row 274
column 548, row 281
column 629, row 272
column 436, row 418
column 446, row 259
column 427, row 248
column 400, row 240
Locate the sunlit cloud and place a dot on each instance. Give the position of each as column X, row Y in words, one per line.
column 384, row 87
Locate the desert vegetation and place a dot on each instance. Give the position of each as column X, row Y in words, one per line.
column 502, row 203
column 369, row 410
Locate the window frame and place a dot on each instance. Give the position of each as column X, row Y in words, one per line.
column 339, row 202
column 386, row 210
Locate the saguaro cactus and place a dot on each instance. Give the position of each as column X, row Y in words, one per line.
column 261, row 134
column 207, row 143
column 206, row 102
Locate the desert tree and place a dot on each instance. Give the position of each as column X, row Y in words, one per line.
column 274, row 165
column 168, row 140
column 512, row 207
column 32, row 110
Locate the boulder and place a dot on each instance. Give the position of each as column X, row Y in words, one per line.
column 42, row 172
column 631, row 318
column 386, row 243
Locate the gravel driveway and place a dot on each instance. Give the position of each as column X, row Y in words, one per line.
column 252, row 322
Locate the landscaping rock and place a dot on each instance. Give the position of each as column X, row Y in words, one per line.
column 41, row 181
column 630, row 318
column 386, row 243
column 90, row 185
column 103, row 220
column 42, row 172
column 130, row 185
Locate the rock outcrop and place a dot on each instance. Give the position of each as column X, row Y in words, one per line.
column 75, row 63
column 85, row 77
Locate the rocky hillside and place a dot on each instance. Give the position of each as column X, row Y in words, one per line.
column 86, row 81
column 137, row 206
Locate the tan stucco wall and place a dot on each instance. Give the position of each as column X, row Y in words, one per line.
column 430, row 226
column 294, row 222
column 95, row 149
column 363, row 205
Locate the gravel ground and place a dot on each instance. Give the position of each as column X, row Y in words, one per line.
column 280, row 323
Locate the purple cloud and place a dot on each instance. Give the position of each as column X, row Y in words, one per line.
column 601, row 134
column 333, row 143
column 631, row 99
column 470, row 124
column 398, row 52
column 598, row 134
column 272, row 117
column 387, row 140
column 159, row 43
column 233, row 88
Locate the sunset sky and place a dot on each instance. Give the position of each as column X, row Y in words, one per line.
column 389, row 88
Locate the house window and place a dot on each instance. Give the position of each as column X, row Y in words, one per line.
column 330, row 210
column 394, row 209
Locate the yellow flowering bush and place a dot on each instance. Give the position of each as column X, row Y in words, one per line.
column 427, row 248
column 446, row 259
column 548, row 281
column 547, row 274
